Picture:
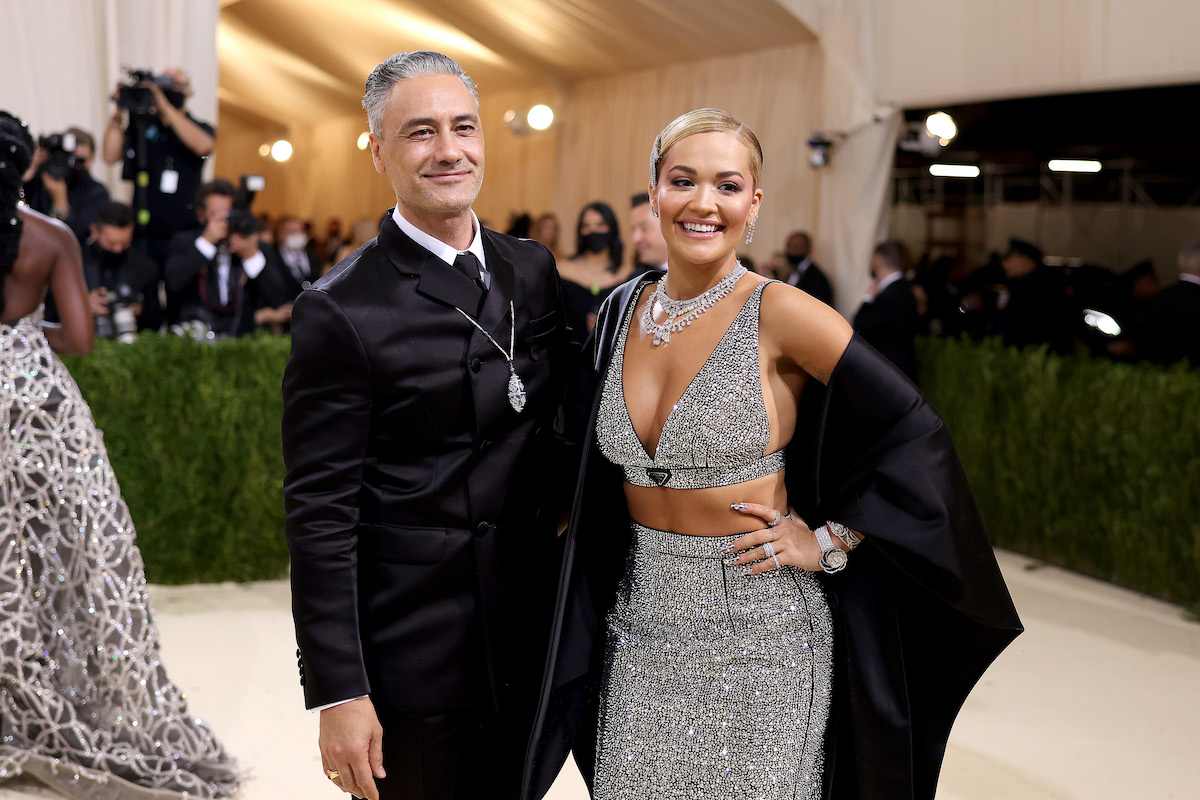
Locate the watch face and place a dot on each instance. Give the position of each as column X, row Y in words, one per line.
column 834, row 560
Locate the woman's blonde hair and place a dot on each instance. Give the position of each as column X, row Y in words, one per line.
column 705, row 120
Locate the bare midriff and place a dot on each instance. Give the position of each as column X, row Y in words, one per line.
column 705, row 512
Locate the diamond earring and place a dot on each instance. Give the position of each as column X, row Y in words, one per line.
column 653, row 211
column 750, row 230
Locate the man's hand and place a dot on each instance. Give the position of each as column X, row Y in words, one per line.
column 57, row 189
column 40, row 154
column 352, row 745
column 243, row 246
column 98, row 302
column 215, row 230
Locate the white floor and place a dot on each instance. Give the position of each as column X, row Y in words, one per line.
column 1098, row 700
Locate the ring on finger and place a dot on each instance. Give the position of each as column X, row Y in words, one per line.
column 769, row 549
column 775, row 558
column 774, row 522
column 332, row 774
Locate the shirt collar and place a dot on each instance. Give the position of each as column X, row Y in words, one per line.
column 436, row 246
column 802, row 267
column 888, row 281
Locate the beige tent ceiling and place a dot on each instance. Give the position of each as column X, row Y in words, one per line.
column 300, row 61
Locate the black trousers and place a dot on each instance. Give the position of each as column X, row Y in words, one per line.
column 461, row 754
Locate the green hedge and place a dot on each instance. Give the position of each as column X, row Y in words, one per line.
column 192, row 431
column 1081, row 462
column 1091, row 465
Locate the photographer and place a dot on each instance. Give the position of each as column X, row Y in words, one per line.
column 221, row 272
column 166, row 143
column 59, row 182
column 122, row 281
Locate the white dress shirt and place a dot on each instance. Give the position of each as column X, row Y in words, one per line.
column 444, row 251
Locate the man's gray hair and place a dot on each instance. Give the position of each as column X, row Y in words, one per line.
column 404, row 67
column 1189, row 257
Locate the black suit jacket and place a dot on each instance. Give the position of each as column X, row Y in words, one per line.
column 1170, row 331
column 292, row 283
column 815, row 283
column 919, row 613
column 889, row 324
column 419, row 503
column 195, row 278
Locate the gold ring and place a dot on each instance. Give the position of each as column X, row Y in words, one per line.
column 332, row 774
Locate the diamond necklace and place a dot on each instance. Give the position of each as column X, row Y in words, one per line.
column 680, row 313
column 516, row 389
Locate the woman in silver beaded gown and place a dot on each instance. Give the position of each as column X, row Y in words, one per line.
column 710, row 641
column 86, row 705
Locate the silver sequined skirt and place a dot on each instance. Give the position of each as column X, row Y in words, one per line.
column 716, row 685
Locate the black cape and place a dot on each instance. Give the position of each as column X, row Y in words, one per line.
column 920, row 612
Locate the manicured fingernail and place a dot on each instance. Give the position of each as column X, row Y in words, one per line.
column 748, row 570
column 738, row 506
column 729, row 548
column 732, row 561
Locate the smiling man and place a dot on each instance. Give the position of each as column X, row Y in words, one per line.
column 424, row 378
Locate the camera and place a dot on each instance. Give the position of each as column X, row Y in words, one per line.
column 121, row 322
column 61, row 147
column 241, row 219
column 136, row 98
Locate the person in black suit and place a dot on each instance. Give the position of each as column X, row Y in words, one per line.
column 419, row 400
column 223, row 280
column 1170, row 330
column 805, row 273
column 1038, row 310
column 300, row 263
column 887, row 318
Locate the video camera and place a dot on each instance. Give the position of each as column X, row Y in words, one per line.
column 61, row 147
column 241, row 219
column 136, row 98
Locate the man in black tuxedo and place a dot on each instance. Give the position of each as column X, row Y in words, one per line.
column 300, row 263
column 1170, row 330
column 887, row 318
column 805, row 273
column 223, row 279
column 1039, row 309
column 419, row 400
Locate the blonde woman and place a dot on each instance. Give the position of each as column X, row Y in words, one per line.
column 716, row 637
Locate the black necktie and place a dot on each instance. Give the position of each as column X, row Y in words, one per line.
column 468, row 265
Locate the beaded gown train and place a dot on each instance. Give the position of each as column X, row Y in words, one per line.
column 86, row 705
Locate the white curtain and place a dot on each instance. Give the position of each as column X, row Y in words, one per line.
column 933, row 51
column 64, row 58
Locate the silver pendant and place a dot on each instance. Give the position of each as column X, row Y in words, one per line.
column 516, row 392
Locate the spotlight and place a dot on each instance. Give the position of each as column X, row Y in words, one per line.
column 281, row 150
column 1101, row 322
column 364, row 139
column 941, row 126
column 820, row 145
column 540, row 117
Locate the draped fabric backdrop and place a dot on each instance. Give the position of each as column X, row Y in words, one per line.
column 64, row 59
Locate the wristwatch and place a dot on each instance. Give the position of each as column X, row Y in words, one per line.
column 832, row 559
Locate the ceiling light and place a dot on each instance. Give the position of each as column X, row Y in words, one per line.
column 281, row 150
column 941, row 127
column 1073, row 165
column 364, row 139
column 540, row 117
column 954, row 170
column 264, row 149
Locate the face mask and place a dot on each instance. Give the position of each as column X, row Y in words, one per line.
column 794, row 259
column 295, row 241
column 595, row 242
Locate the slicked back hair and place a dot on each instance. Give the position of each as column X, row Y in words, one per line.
column 405, row 67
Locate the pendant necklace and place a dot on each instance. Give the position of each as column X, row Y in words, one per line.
column 680, row 313
column 516, row 389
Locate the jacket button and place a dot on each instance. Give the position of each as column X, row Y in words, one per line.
column 476, row 364
column 535, row 352
column 482, row 529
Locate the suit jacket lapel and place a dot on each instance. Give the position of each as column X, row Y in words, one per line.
column 494, row 313
column 436, row 280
